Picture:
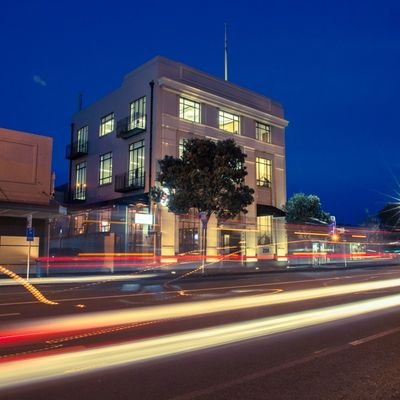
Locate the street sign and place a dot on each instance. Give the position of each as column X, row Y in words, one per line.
column 29, row 221
column 30, row 234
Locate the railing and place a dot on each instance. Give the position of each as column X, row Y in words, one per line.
column 77, row 149
column 76, row 195
column 127, row 182
column 126, row 129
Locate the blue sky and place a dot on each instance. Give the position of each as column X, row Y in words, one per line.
column 334, row 65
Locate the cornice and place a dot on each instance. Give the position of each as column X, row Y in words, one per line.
column 220, row 102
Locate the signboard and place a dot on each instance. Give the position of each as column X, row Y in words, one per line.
column 144, row 219
column 30, row 234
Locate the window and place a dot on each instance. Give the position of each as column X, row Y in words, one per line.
column 263, row 172
column 105, row 175
column 229, row 122
column 138, row 114
column 80, row 181
column 106, row 124
column 79, row 223
column 189, row 110
column 104, row 220
column 136, row 164
column 182, row 143
column 82, row 140
column 263, row 132
column 264, row 228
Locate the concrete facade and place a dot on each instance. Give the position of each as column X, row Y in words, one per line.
column 164, row 83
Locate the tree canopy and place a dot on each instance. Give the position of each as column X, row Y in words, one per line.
column 208, row 177
column 389, row 216
column 305, row 208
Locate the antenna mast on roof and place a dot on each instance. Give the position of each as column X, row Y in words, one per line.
column 226, row 55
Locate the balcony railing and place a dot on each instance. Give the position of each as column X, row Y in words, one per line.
column 76, row 195
column 127, row 182
column 76, row 150
column 126, row 128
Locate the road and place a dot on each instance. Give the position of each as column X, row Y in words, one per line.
column 303, row 335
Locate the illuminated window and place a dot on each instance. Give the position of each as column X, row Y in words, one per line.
column 80, row 224
column 138, row 114
column 263, row 132
column 105, row 175
column 182, row 142
column 229, row 122
column 106, row 124
column 136, row 164
column 264, row 230
column 82, row 139
column 263, row 172
column 80, row 181
column 189, row 110
column 104, row 221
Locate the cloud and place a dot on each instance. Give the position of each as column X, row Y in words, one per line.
column 37, row 79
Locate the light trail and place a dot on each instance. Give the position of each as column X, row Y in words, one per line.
column 29, row 287
column 45, row 368
column 47, row 328
column 78, row 279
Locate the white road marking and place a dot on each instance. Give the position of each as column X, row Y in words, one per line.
column 374, row 337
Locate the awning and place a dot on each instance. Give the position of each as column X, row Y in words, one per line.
column 23, row 210
column 264, row 210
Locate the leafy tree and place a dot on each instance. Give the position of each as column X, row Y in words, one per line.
column 209, row 177
column 389, row 216
column 305, row 208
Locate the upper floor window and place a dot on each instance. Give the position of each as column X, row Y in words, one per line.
column 80, row 181
column 106, row 124
column 82, row 139
column 189, row 110
column 229, row 122
column 263, row 172
column 138, row 114
column 105, row 175
column 263, row 132
column 136, row 164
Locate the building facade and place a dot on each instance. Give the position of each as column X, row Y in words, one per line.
column 115, row 147
column 25, row 195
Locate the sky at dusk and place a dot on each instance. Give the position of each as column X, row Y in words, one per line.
column 334, row 66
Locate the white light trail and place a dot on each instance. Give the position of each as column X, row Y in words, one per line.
column 27, row 331
column 28, row 371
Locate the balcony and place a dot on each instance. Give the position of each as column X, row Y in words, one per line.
column 127, row 182
column 76, row 150
column 75, row 196
column 127, row 128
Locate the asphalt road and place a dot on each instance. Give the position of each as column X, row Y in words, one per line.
column 354, row 357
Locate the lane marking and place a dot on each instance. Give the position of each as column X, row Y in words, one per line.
column 10, row 314
column 375, row 337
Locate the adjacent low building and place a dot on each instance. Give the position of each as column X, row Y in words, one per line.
column 114, row 151
column 25, row 195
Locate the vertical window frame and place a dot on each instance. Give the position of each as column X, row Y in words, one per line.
column 263, row 132
column 226, row 118
column 80, row 181
column 107, row 124
column 263, row 172
column 105, row 168
column 189, row 110
column 136, row 165
column 137, row 116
